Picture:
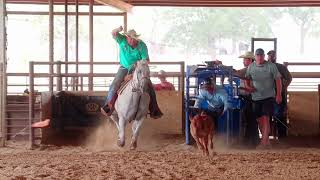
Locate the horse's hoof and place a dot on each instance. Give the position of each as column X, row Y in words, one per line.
column 120, row 143
column 133, row 145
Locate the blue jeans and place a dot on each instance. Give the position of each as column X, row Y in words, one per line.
column 280, row 114
column 116, row 83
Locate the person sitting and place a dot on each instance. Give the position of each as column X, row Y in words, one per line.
column 132, row 49
column 164, row 84
column 211, row 99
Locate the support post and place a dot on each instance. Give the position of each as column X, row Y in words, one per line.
column 91, row 44
column 59, row 78
column 181, row 89
column 51, row 45
column 125, row 22
column 77, row 44
column 66, row 44
column 31, row 103
column 186, row 104
column 3, row 77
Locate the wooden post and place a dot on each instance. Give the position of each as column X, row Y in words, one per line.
column 31, row 103
column 59, row 78
column 51, row 45
column 3, row 78
column 252, row 45
column 125, row 22
column 81, row 83
column 2, row 106
column 91, row 44
column 77, row 44
column 66, row 52
column 275, row 45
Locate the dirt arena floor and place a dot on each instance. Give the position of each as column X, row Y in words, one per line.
column 159, row 156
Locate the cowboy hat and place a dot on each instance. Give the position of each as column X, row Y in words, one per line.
column 247, row 54
column 132, row 33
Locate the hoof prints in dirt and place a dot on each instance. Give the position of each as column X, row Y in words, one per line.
column 80, row 163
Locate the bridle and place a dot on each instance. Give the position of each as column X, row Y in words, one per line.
column 136, row 87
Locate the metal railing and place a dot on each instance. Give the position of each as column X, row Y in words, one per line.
column 304, row 81
column 304, row 85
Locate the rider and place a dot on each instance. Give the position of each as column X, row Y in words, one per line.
column 131, row 49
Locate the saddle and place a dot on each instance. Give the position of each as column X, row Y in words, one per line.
column 124, row 84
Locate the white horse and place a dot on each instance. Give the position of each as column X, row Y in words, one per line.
column 133, row 104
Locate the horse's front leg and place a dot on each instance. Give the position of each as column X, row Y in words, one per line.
column 135, row 133
column 122, row 129
column 115, row 119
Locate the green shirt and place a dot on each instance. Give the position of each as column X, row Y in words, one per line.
column 129, row 55
column 263, row 77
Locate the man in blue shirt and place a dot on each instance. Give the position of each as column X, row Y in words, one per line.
column 211, row 99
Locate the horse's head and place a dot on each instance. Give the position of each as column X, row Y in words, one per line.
column 141, row 75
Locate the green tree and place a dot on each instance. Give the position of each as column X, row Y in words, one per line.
column 306, row 19
column 199, row 29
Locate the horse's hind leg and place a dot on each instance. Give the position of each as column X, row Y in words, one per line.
column 122, row 128
column 205, row 144
column 135, row 133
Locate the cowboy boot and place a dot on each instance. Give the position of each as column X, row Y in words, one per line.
column 108, row 109
column 154, row 109
column 155, row 112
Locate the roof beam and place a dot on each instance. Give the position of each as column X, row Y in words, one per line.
column 126, row 7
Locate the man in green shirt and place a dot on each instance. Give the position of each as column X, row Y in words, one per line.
column 132, row 49
column 263, row 74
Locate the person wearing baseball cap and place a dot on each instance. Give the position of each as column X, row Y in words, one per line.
column 211, row 99
column 263, row 75
column 279, row 109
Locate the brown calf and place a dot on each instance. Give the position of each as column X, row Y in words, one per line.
column 202, row 130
